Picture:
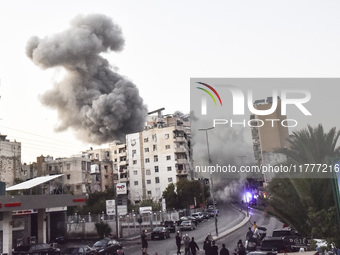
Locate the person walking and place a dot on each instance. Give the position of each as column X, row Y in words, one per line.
column 207, row 246
column 213, row 248
column 186, row 240
column 193, row 246
column 144, row 243
column 224, row 250
column 178, row 243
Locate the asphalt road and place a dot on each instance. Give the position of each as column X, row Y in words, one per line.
column 228, row 217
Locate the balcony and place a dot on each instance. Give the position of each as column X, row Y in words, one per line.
column 179, row 139
column 182, row 172
column 181, row 161
column 181, row 150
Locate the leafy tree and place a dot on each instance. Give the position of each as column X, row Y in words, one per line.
column 308, row 204
column 170, row 196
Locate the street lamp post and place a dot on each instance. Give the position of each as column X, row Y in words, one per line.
column 211, row 181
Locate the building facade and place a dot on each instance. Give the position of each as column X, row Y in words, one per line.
column 10, row 160
column 157, row 156
column 269, row 136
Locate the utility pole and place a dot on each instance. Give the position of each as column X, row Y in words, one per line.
column 211, row 180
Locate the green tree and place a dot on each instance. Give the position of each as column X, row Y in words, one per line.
column 307, row 204
column 170, row 196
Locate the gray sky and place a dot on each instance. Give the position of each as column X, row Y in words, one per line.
column 166, row 43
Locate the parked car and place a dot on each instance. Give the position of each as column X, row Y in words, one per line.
column 160, row 233
column 198, row 216
column 107, row 246
column 261, row 253
column 212, row 213
column 169, row 224
column 206, row 215
column 187, row 225
column 79, row 250
column 193, row 219
column 39, row 248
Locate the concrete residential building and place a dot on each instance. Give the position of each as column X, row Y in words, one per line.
column 270, row 137
column 157, row 156
column 10, row 160
column 76, row 170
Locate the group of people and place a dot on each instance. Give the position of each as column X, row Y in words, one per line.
column 191, row 247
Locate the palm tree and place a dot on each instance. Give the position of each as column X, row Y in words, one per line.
column 300, row 201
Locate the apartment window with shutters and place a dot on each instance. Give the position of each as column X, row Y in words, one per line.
column 156, row 169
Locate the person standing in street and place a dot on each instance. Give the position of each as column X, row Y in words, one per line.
column 213, row 248
column 144, row 243
column 193, row 246
column 186, row 240
column 207, row 246
column 224, row 250
column 178, row 243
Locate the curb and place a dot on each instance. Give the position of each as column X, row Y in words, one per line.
column 231, row 230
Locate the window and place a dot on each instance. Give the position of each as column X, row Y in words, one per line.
column 154, row 147
column 168, row 157
column 106, row 176
column 147, row 160
column 83, row 165
column 169, row 168
column 146, row 140
column 146, row 149
column 148, row 181
column 68, row 166
column 78, row 187
column 155, row 158
column 156, row 179
column 154, row 137
column 68, row 177
column 156, row 169
column 134, row 153
column 136, row 183
column 149, row 193
column 133, row 142
column 167, row 136
column 147, row 172
column 170, row 179
column 167, row 147
column 134, row 162
column 135, row 172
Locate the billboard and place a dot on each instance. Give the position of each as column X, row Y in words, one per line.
column 121, row 188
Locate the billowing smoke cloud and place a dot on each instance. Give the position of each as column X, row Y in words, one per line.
column 98, row 103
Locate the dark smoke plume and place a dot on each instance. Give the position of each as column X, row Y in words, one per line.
column 95, row 101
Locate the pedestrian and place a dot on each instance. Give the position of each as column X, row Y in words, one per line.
column 254, row 226
column 213, row 248
column 241, row 250
column 224, row 250
column 207, row 246
column 178, row 243
column 193, row 246
column 249, row 234
column 186, row 240
column 144, row 242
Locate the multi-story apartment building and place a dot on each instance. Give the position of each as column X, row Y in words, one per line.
column 76, row 170
column 269, row 137
column 10, row 160
column 157, row 156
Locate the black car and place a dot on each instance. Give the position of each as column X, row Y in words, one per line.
column 160, row 233
column 79, row 250
column 39, row 248
column 169, row 224
column 278, row 244
column 107, row 246
column 206, row 215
